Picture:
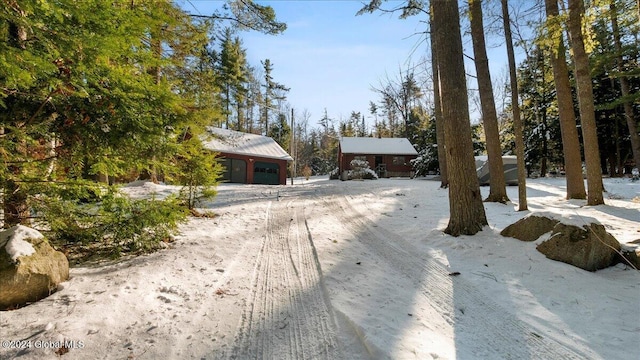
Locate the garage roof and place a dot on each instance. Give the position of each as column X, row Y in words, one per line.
column 235, row 142
column 376, row 146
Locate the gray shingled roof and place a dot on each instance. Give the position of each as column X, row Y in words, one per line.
column 376, row 146
column 235, row 142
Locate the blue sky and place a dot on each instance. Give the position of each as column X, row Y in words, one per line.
column 329, row 57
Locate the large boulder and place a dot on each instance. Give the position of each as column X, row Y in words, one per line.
column 530, row 228
column 588, row 247
column 631, row 254
column 30, row 269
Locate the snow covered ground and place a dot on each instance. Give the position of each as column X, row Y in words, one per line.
column 345, row 270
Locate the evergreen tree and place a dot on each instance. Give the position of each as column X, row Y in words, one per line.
column 232, row 78
column 76, row 83
column 616, row 89
column 281, row 132
column 541, row 130
column 624, row 70
column 246, row 15
column 98, row 89
column 273, row 91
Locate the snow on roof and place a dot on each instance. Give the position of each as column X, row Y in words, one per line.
column 377, row 146
column 235, row 142
column 14, row 238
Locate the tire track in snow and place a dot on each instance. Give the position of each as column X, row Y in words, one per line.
column 486, row 329
column 288, row 314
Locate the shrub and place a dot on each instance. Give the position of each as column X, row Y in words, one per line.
column 108, row 223
column 306, row 172
column 198, row 172
column 360, row 170
column 334, row 174
column 427, row 161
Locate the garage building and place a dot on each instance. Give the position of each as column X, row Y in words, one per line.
column 249, row 158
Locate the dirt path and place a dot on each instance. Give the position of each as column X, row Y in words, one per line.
column 487, row 330
column 288, row 314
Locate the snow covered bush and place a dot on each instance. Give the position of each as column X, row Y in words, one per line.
column 334, row 174
column 360, row 170
column 427, row 161
column 321, row 166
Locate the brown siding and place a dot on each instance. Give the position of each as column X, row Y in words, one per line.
column 392, row 170
column 250, row 160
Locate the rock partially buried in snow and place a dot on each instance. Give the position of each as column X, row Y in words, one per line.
column 578, row 241
column 631, row 254
column 590, row 248
column 30, row 269
column 530, row 228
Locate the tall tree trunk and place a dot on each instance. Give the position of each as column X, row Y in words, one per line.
column 497, row 184
column 442, row 157
column 620, row 162
column 540, row 110
column 545, row 142
column 624, row 86
column 14, row 202
column 467, row 215
column 15, row 209
column 156, row 73
column 586, row 106
column 618, row 168
column 517, row 121
column 570, row 140
column 228, row 105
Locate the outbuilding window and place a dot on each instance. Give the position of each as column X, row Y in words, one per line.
column 398, row 160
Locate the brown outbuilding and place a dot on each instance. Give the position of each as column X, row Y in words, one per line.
column 249, row 158
column 388, row 157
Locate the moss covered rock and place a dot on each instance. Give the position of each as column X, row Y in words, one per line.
column 589, row 247
column 30, row 269
column 530, row 228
